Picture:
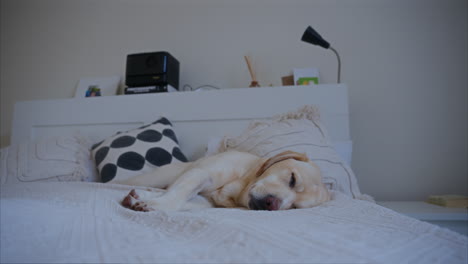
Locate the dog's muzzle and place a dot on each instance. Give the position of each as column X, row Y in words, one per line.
column 269, row 202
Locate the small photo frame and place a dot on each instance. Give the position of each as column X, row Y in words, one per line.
column 93, row 91
column 92, row 87
column 306, row 76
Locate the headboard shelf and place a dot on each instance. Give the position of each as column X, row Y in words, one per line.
column 197, row 116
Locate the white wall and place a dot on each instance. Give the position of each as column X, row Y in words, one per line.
column 405, row 63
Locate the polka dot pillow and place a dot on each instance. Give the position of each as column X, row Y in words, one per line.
column 137, row 151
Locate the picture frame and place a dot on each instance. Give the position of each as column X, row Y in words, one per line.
column 306, row 76
column 101, row 86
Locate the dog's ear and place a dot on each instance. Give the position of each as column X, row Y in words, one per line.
column 280, row 157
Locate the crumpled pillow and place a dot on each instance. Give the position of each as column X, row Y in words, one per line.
column 60, row 158
column 300, row 131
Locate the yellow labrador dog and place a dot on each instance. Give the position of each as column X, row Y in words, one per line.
column 232, row 179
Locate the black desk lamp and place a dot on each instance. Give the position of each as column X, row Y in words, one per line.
column 311, row 36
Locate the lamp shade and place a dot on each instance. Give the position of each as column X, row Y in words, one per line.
column 311, row 36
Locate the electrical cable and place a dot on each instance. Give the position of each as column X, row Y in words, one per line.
column 199, row 87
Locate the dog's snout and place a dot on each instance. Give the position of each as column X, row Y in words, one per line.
column 269, row 202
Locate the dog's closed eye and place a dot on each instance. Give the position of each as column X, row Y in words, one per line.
column 292, row 180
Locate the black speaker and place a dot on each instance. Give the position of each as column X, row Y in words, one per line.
column 153, row 69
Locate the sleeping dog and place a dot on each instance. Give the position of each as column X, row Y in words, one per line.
column 232, row 179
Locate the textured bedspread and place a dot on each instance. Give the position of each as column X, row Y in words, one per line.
column 84, row 222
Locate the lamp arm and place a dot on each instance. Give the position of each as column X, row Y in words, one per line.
column 339, row 63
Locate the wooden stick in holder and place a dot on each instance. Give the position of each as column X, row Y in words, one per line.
column 254, row 82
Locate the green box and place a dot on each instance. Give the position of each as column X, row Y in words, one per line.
column 307, row 80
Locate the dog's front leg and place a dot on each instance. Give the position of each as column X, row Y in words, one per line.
column 184, row 188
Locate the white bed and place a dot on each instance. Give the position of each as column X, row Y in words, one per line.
column 83, row 222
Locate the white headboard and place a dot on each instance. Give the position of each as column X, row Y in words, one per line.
column 197, row 116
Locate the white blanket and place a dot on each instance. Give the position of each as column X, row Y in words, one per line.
column 84, row 222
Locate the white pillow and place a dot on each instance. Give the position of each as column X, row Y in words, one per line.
column 61, row 158
column 303, row 132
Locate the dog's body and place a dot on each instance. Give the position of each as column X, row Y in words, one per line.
column 232, row 179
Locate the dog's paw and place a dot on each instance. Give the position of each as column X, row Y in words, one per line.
column 129, row 200
column 132, row 201
column 141, row 207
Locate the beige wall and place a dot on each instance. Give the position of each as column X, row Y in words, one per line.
column 405, row 63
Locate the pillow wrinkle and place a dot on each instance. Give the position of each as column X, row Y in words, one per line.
column 266, row 141
column 307, row 112
column 234, row 144
column 231, row 142
column 330, row 182
column 53, row 150
column 319, row 127
column 350, row 183
column 255, row 124
column 298, row 139
column 272, row 152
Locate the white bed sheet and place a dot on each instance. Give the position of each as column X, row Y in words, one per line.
column 84, row 222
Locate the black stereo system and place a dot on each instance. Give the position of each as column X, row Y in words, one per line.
column 151, row 72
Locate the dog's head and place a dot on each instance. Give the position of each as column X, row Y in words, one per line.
column 287, row 180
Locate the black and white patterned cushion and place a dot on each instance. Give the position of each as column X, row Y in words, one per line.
column 137, row 151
